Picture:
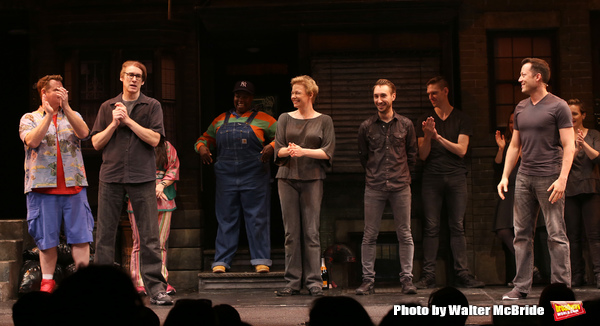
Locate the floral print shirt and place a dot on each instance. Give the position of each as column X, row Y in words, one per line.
column 168, row 172
column 40, row 162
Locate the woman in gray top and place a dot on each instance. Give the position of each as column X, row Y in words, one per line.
column 304, row 145
column 582, row 205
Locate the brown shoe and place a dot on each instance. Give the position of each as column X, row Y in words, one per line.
column 366, row 288
column 219, row 269
column 261, row 268
column 407, row 286
column 287, row 291
column 427, row 281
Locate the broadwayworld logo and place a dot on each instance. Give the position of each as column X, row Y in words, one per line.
column 567, row 309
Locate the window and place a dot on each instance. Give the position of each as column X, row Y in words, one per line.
column 505, row 52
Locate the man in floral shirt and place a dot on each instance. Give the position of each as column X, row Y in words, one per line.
column 55, row 178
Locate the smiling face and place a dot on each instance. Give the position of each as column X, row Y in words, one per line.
column 132, row 80
column 300, row 99
column 242, row 102
column 383, row 98
column 529, row 79
column 578, row 117
column 437, row 96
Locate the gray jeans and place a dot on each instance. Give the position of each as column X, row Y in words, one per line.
column 375, row 202
column 451, row 189
column 143, row 202
column 531, row 194
column 301, row 213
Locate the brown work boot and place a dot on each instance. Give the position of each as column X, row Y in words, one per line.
column 367, row 287
column 407, row 285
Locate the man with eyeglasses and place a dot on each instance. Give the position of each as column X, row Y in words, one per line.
column 127, row 129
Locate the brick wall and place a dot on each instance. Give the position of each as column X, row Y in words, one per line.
column 571, row 20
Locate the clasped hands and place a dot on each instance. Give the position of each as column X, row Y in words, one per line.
column 120, row 113
column 295, row 150
column 160, row 194
column 579, row 139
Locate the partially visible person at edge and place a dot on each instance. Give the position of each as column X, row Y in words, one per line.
column 443, row 136
column 503, row 219
column 582, row 203
column 167, row 172
column 543, row 134
column 55, row 179
column 304, row 146
column 127, row 129
column 387, row 148
column 243, row 138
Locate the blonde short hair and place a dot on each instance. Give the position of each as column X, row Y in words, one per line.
column 308, row 83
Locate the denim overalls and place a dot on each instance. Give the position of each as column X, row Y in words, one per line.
column 242, row 191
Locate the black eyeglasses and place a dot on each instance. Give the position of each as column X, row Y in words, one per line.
column 130, row 75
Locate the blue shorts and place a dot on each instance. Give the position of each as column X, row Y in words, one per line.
column 46, row 214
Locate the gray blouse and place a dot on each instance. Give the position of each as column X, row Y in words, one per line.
column 315, row 133
column 584, row 177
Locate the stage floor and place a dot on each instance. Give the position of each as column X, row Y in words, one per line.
column 263, row 308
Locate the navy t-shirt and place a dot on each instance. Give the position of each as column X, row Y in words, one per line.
column 441, row 160
column 538, row 126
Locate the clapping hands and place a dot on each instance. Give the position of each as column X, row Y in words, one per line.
column 500, row 141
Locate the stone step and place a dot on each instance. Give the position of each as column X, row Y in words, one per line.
column 184, row 280
column 13, row 229
column 9, row 279
column 9, row 270
column 6, row 291
column 11, row 249
column 250, row 280
column 241, row 260
column 186, row 219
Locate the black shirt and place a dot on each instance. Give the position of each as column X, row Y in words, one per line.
column 440, row 160
column 387, row 151
column 126, row 158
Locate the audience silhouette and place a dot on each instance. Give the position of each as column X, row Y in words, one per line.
column 342, row 311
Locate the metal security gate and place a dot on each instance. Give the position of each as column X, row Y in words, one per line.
column 345, row 93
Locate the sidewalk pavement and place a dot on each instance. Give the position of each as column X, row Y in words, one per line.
column 261, row 307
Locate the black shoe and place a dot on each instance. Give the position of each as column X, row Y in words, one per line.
column 287, row 292
column 427, row 281
column 367, row 287
column 407, row 285
column 468, row 281
column 316, row 291
column 598, row 281
column 161, row 299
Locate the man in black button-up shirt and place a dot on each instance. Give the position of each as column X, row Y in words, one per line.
column 387, row 148
column 127, row 129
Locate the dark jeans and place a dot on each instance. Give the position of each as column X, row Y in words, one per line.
column 531, row 194
column 375, row 202
column 437, row 190
column 143, row 202
column 301, row 211
column 583, row 212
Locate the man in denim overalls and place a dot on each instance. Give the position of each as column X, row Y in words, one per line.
column 242, row 137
